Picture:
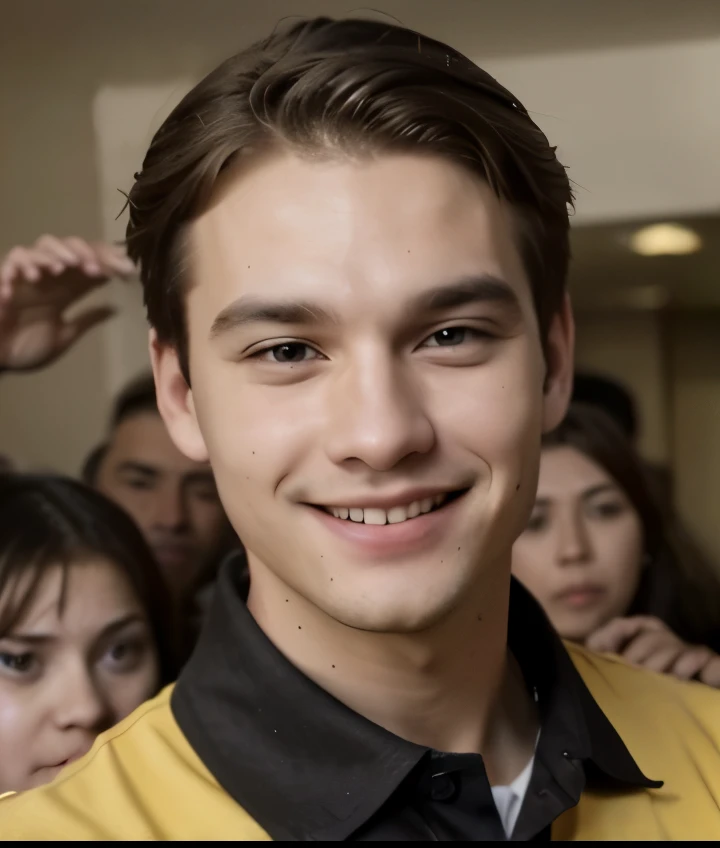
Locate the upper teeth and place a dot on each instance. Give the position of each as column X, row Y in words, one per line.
column 373, row 515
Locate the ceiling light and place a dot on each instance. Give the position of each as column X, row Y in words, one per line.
column 665, row 240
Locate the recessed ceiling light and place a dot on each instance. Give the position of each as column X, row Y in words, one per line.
column 665, row 240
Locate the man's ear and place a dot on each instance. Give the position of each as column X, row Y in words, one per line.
column 175, row 401
column 560, row 357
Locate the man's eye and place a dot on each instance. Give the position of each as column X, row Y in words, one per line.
column 139, row 484
column 19, row 663
column 287, row 353
column 454, row 336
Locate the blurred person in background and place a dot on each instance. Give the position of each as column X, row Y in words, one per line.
column 611, row 570
column 172, row 499
column 86, row 629
column 371, row 335
column 615, row 399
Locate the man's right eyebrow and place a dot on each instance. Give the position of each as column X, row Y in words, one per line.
column 251, row 310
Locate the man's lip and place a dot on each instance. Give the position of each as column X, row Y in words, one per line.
column 412, row 537
column 388, row 501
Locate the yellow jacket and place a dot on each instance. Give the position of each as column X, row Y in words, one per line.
column 142, row 780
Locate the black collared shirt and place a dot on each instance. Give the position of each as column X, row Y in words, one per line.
column 306, row 767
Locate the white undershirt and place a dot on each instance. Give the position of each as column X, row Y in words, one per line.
column 509, row 799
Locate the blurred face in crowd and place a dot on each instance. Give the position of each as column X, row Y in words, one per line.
column 581, row 553
column 367, row 381
column 80, row 659
column 172, row 499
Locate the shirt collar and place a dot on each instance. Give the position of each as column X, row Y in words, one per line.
column 304, row 765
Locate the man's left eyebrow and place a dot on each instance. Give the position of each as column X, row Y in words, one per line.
column 467, row 291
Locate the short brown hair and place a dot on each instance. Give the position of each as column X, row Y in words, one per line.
column 351, row 86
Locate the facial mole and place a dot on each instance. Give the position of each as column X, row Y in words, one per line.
column 299, row 628
column 517, row 488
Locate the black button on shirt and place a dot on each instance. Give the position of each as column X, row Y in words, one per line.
column 306, row 767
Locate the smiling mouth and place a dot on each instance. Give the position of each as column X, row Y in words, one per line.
column 394, row 515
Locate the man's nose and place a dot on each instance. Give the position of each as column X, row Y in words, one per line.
column 377, row 415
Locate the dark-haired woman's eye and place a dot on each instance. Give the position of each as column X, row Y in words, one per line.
column 537, row 523
column 23, row 663
column 607, row 509
column 125, row 654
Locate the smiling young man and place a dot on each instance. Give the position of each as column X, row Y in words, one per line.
column 354, row 245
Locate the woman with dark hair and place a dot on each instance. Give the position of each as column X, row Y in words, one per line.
column 85, row 634
column 609, row 567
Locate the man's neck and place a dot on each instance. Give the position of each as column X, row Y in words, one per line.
column 453, row 687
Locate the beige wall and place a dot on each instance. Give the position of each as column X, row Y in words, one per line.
column 628, row 346
column 695, row 345
column 48, row 184
column 638, row 127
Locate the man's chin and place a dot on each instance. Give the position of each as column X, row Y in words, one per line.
column 400, row 616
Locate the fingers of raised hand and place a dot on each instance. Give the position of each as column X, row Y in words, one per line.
column 614, row 634
column 651, row 648
column 692, row 661
column 114, row 259
column 23, row 263
column 710, row 672
column 87, row 257
column 58, row 250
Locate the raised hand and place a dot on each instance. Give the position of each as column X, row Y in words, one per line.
column 646, row 641
column 37, row 286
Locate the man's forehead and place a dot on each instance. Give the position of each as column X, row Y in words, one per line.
column 334, row 230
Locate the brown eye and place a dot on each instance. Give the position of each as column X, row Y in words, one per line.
column 124, row 655
column 293, row 352
column 287, row 353
column 607, row 510
column 454, row 336
column 19, row 663
column 538, row 522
